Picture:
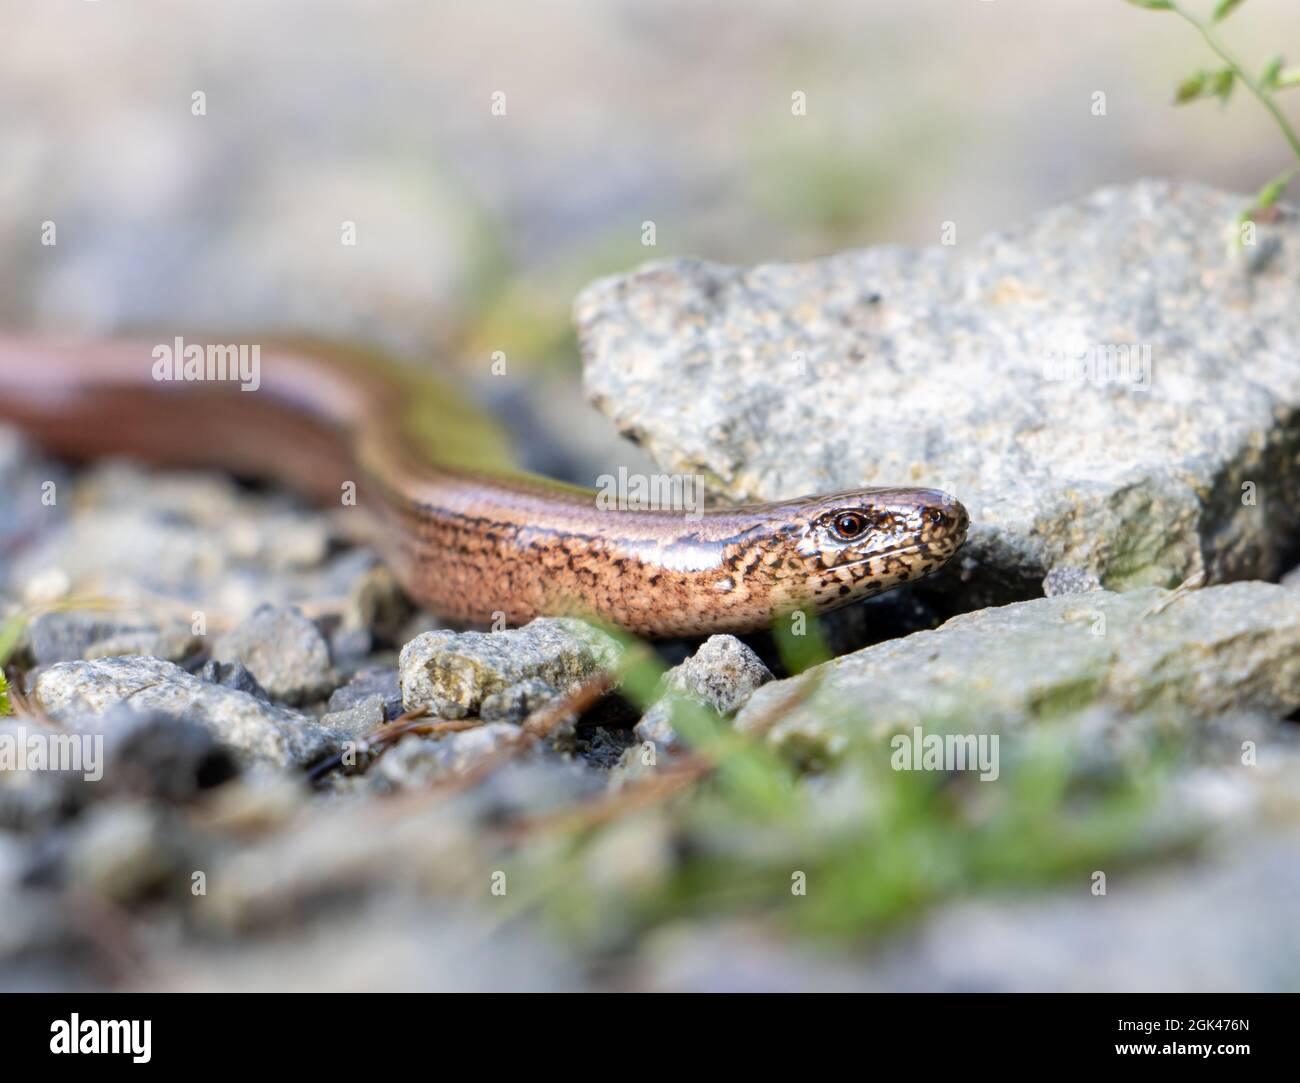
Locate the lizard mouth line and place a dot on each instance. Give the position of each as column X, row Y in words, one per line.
column 905, row 550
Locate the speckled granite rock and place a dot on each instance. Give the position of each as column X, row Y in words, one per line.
column 517, row 702
column 453, row 673
column 955, row 367
column 232, row 675
column 1225, row 648
column 358, row 720
column 376, row 682
column 74, row 692
column 418, row 762
column 722, row 674
column 284, row 651
column 1069, row 580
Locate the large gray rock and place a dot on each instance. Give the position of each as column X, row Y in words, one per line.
column 76, row 692
column 953, row 367
column 1203, row 654
column 456, row 674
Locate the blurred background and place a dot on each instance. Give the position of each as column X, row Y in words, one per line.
column 475, row 230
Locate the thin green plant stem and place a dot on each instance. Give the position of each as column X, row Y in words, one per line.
column 1213, row 41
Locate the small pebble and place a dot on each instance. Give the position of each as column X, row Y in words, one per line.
column 284, row 651
column 373, row 681
column 722, row 674
column 1069, row 580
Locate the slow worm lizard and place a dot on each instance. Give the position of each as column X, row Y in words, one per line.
column 466, row 534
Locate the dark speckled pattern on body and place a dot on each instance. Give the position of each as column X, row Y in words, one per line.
column 468, row 537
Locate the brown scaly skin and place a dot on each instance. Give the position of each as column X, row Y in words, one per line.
column 466, row 536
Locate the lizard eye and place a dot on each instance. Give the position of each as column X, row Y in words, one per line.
column 848, row 525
